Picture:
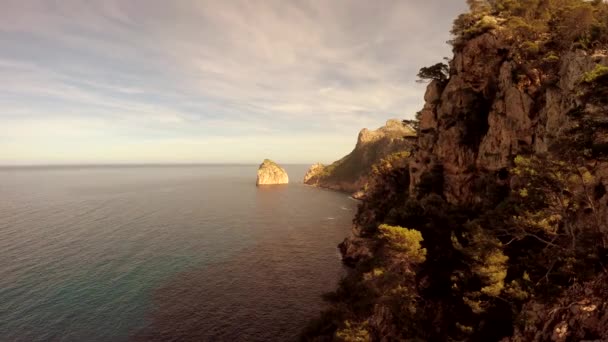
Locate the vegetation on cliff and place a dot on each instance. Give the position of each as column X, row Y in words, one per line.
column 497, row 229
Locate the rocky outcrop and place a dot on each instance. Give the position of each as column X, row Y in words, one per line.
column 313, row 173
column 270, row 173
column 484, row 116
column 504, row 198
column 355, row 250
column 352, row 173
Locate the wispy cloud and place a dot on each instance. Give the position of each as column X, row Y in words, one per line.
column 140, row 80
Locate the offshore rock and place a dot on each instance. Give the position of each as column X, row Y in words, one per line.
column 271, row 173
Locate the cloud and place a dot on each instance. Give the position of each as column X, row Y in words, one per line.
column 158, row 73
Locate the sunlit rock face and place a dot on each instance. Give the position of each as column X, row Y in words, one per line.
column 352, row 173
column 271, row 173
column 314, row 171
column 483, row 116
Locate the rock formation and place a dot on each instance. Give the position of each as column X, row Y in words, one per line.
column 483, row 116
column 313, row 173
column 497, row 230
column 351, row 173
column 270, row 173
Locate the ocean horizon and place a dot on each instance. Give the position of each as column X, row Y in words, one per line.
column 136, row 252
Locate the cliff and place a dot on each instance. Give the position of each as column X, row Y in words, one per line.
column 270, row 173
column 351, row 174
column 497, row 230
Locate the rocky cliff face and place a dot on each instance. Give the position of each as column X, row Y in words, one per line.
column 497, row 230
column 484, row 116
column 270, row 173
column 314, row 173
column 351, row 173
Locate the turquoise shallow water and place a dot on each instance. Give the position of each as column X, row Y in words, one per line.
column 164, row 253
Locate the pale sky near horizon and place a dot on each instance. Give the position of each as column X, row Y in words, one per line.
column 226, row 81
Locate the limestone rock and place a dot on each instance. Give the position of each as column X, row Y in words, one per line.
column 313, row 173
column 483, row 116
column 352, row 173
column 271, row 173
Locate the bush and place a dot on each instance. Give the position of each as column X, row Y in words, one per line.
column 404, row 240
column 600, row 71
column 353, row 332
column 551, row 58
column 485, row 24
column 530, row 48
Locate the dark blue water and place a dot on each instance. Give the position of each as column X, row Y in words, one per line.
column 164, row 253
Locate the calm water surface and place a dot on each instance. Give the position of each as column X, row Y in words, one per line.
column 164, row 253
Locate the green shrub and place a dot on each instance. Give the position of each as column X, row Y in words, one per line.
column 600, row 71
column 485, row 24
column 551, row 58
column 404, row 240
column 530, row 48
column 439, row 72
column 353, row 332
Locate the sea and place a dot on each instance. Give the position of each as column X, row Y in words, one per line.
column 164, row 253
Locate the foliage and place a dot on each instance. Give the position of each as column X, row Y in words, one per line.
column 530, row 48
column 598, row 72
column 406, row 241
column 551, row 58
column 439, row 72
column 353, row 332
column 391, row 161
column 414, row 124
column 479, row 6
column 483, row 264
column 486, row 259
column 561, row 23
column 463, row 23
column 551, row 194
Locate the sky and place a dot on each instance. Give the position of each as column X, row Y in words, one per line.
column 218, row 81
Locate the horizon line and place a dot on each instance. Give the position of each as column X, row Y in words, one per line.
column 139, row 164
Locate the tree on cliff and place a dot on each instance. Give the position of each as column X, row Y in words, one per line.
column 439, row 72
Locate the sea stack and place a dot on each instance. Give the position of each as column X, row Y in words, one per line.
column 271, row 173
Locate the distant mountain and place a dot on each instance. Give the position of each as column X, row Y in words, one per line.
column 391, row 143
